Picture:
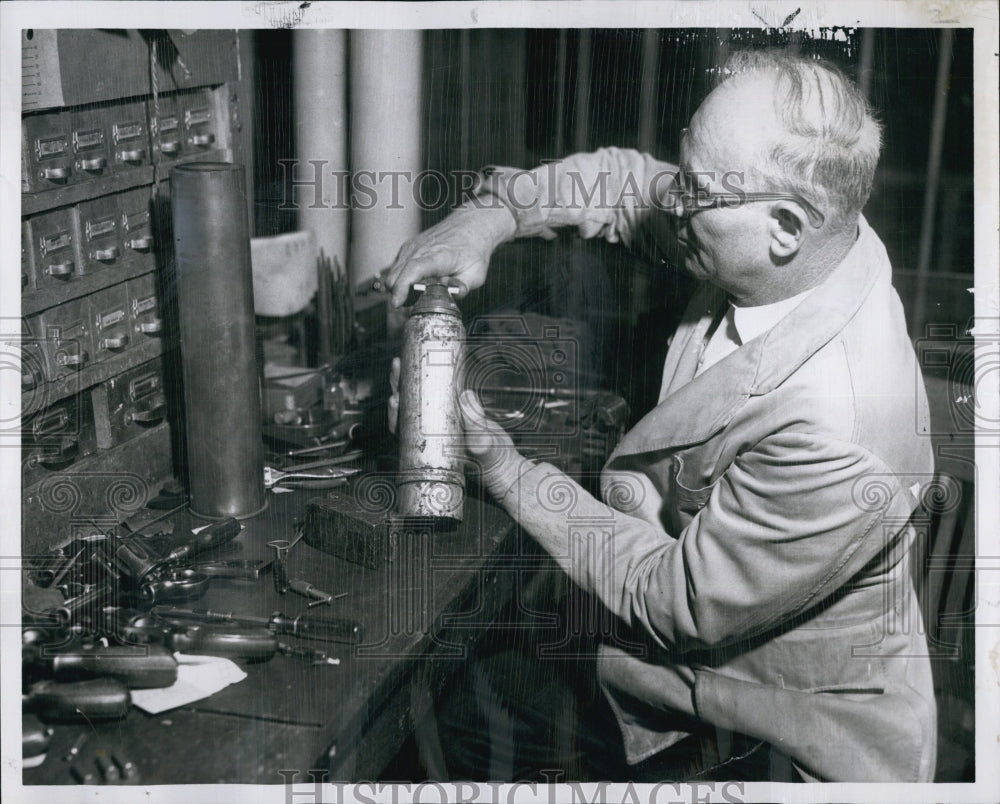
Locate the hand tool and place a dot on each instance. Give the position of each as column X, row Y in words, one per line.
column 137, row 560
column 281, row 548
column 310, row 654
column 176, row 585
column 235, row 641
column 215, row 535
column 308, row 626
column 306, row 589
column 93, row 699
column 75, row 748
column 294, row 453
column 274, row 476
column 246, row 643
column 148, row 667
column 35, row 737
column 130, row 773
column 109, row 770
column 347, row 457
column 233, row 568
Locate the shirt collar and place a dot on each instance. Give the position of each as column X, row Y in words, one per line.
column 753, row 321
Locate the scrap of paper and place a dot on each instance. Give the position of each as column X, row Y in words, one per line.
column 197, row 677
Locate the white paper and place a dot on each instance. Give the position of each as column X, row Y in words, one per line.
column 197, row 677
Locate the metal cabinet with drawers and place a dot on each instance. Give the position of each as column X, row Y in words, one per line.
column 97, row 347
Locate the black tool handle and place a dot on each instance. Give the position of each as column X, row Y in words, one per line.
column 78, row 701
column 215, row 535
column 35, row 737
column 328, row 629
column 138, row 666
column 231, row 642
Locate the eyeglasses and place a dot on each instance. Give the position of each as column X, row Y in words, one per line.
column 688, row 204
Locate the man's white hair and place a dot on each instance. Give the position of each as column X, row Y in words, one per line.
column 830, row 142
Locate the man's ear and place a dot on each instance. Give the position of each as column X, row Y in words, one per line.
column 788, row 223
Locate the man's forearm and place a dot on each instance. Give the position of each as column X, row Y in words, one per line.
column 606, row 193
column 490, row 217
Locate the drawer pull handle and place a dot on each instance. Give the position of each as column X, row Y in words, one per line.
column 29, row 378
column 152, row 327
column 66, row 448
column 64, row 359
column 105, row 254
column 115, row 342
column 55, row 173
column 144, row 243
column 61, row 269
column 152, row 412
column 202, row 139
column 51, row 424
column 170, row 147
column 135, row 155
column 96, row 164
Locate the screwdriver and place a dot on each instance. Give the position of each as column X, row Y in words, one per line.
column 308, row 626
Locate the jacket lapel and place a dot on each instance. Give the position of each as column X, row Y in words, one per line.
column 693, row 408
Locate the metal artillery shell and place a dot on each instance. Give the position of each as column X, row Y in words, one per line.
column 431, row 480
column 222, row 409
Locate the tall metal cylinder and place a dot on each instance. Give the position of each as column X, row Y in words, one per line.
column 319, row 62
column 216, row 315
column 431, row 481
column 386, row 120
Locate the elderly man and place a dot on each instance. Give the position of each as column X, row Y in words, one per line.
column 753, row 539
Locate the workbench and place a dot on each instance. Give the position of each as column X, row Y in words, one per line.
column 420, row 611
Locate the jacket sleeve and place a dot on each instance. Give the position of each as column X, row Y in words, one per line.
column 606, row 193
column 791, row 521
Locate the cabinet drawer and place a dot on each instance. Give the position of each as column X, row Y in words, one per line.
column 144, row 308
column 136, row 228
column 201, row 122
column 126, row 405
column 54, row 438
column 166, row 129
column 129, row 135
column 48, row 147
column 100, row 236
column 54, row 246
column 91, row 154
column 66, row 337
column 112, row 326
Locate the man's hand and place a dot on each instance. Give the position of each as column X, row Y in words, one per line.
column 456, row 250
column 490, row 447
